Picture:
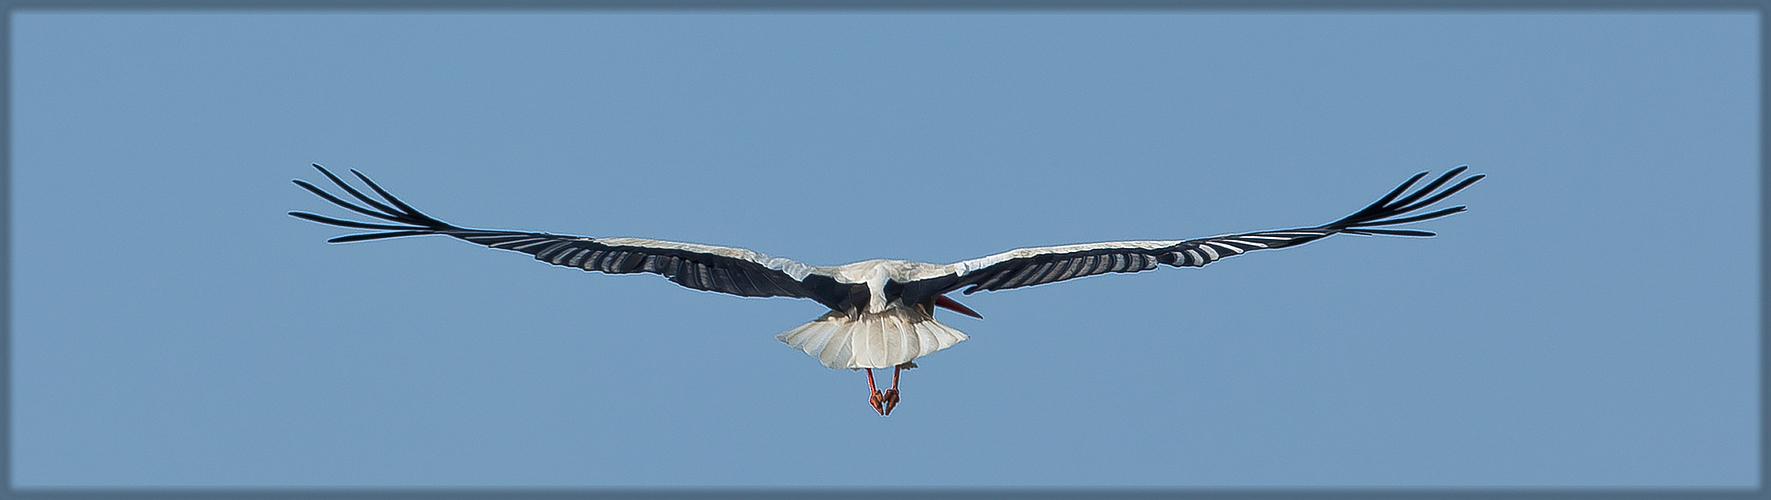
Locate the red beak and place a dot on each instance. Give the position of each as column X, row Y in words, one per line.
column 943, row 302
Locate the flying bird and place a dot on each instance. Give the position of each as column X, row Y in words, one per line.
column 881, row 311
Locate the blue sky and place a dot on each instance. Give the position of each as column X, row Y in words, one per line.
column 1591, row 321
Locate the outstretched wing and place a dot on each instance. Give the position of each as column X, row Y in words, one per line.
column 730, row 270
column 1036, row 266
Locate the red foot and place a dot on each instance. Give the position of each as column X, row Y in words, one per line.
column 891, row 401
column 878, row 401
column 883, row 402
column 888, row 399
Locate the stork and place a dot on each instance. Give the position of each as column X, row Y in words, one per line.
column 881, row 311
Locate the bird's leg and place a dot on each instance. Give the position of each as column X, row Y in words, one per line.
column 890, row 397
column 875, row 398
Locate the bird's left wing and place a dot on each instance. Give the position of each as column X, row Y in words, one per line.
column 736, row 271
column 1036, row 266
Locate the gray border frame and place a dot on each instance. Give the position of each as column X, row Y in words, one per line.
column 8, row 7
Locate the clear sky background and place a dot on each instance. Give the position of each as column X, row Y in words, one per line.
column 1591, row 321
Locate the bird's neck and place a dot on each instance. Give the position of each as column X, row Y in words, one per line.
column 876, row 281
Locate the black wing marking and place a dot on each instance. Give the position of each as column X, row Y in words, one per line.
column 1041, row 265
column 730, row 270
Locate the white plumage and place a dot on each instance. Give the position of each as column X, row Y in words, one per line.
column 893, row 336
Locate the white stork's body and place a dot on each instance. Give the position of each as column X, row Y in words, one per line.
column 881, row 311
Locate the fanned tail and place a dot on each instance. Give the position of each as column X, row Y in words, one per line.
column 878, row 340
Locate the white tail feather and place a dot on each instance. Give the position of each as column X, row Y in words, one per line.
column 872, row 340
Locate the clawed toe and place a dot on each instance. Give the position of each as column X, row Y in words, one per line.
column 891, row 401
column 881, row 403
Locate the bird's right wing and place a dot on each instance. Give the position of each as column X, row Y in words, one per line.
column 1040, row 265
column 736, row 271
